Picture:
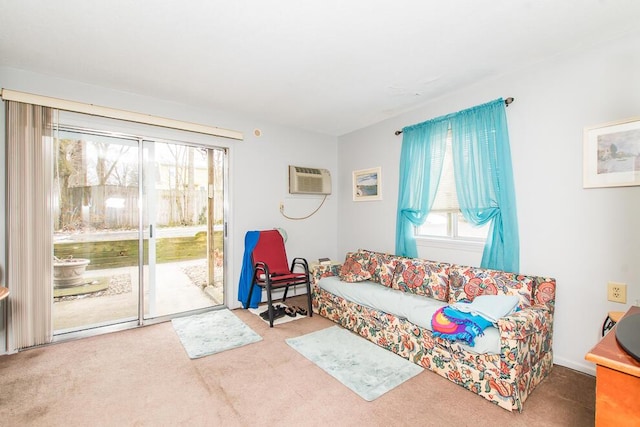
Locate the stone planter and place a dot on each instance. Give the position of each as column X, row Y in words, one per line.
column 69, row 272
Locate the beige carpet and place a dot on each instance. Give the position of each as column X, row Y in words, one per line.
column 143, row 377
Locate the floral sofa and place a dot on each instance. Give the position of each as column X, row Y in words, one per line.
column 522, row 355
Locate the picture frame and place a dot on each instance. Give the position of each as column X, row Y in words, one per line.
column 367, row 184
column 612, row 154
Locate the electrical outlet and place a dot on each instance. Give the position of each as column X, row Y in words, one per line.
column 617, row 292
column 281, row 206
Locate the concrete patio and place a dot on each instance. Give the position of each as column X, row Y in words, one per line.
column 175, row 292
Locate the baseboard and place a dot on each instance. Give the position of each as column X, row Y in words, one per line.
column 586, row 367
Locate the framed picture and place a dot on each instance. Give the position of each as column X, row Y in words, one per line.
column 367, row 184
column 612, row 154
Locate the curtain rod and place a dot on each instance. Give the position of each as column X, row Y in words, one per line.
column 95, row 110
column 507, row 101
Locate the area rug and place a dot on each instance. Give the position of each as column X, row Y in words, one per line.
column 365, row 368
column 213, row 332
column 279, row 320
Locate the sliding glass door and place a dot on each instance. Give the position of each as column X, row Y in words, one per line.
column 137, row 229
column 96, row 230
column 183, row 228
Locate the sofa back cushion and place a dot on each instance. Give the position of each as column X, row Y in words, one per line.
column 368, row 265
column 356, row 267
column 382, row 267
column 466, row 283
column 422, row 277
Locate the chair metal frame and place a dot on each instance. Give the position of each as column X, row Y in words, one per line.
column 265, row 278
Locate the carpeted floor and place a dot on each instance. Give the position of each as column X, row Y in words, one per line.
column 143, row 377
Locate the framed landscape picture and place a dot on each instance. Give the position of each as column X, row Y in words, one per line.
column 612, row 154
column 367, row 185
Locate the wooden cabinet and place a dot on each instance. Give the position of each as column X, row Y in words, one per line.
column 617, row 382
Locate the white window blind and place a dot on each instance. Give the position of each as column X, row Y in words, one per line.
column 446, row 197
column 29, row 259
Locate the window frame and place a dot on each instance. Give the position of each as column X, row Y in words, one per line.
column 476, row 246
column 452, row 239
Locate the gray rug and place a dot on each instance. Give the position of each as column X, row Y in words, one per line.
column 367, row 369
column 213, row 332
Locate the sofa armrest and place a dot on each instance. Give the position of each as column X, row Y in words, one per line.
column 526, row 353
column 536, row 319
column 319, row 271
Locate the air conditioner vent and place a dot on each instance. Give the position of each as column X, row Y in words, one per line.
column 303, row 180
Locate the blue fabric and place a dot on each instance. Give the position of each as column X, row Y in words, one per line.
column 421, row 160
column 246, row 274
column 484, row 180
column 468, row 326
column 483, row 173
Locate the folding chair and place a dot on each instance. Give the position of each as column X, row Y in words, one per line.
column 271, row 271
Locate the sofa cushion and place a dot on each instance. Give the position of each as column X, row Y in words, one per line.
column 422, row 277
column 367, row 293
column 417, row 309
column 355, row 267
column 487, row 343
column 382, row 268
column 466, row 283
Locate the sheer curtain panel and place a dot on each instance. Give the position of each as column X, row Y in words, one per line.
column 421, row 160
column 29, row 238
column 484, row 181
column 483, row 176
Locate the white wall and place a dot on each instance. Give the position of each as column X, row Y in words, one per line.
column 582, row 237
column 258, row 170
column 260, row 183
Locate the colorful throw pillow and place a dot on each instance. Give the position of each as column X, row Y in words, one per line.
column 382, row 268
column 422, row 277
column 355, row 267
column 469, row 282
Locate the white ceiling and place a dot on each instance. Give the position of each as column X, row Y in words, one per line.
column 331, row 66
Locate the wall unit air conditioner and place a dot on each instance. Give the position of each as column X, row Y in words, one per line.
column 309, row 180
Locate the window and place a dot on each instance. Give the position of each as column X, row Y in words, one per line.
column 451, row 225
column 480, row 143
column 445, row 221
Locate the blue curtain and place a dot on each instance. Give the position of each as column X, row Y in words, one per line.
column 483, row 173
column 484, row 180
column 421, row 159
